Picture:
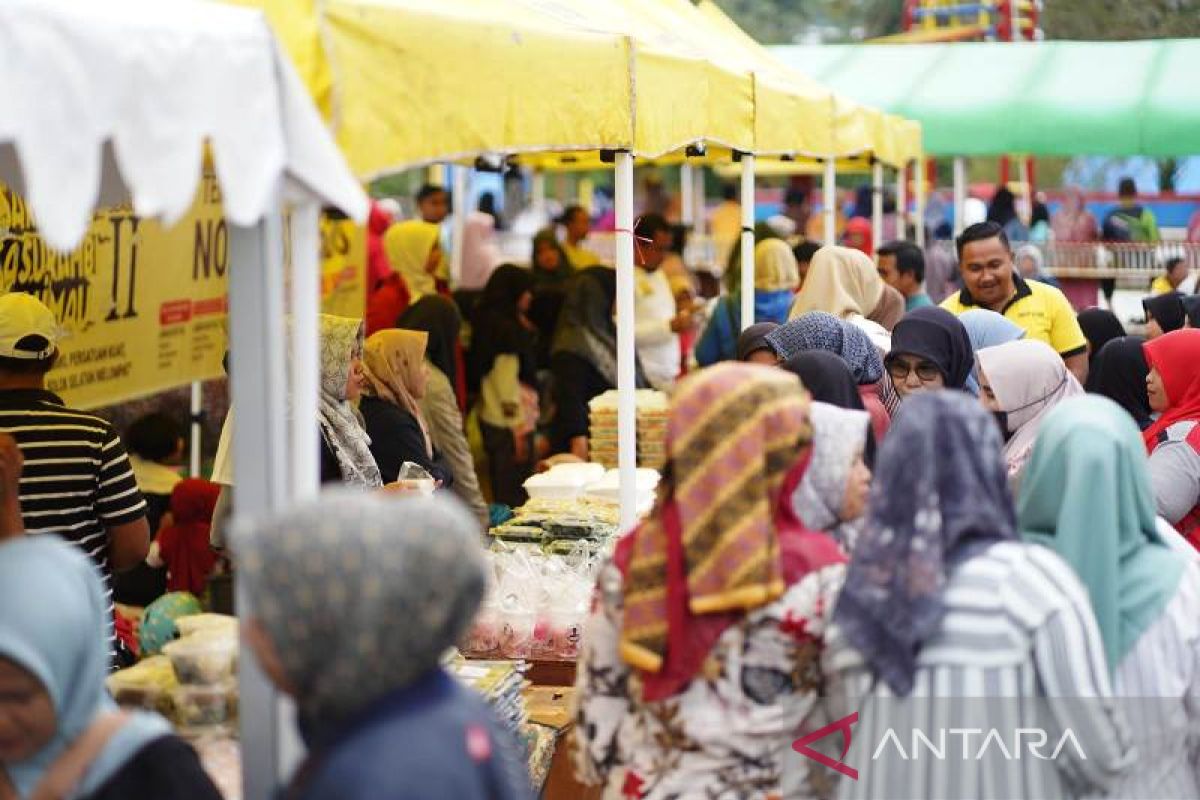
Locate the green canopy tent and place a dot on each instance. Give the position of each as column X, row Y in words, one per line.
column 1026, row 98
column 1040, row 98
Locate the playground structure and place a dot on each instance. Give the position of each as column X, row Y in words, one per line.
column 957, row 21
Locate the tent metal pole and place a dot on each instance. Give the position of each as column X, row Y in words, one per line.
column 829, row 201
column 458, row 231
column 747, row 310
column 305, row 372
column 919, row 206
column 585, row 191
column 687, row 196
column 960, row 193
column 260, row 456
column 1026, row 189
column 197, row 408
column 626, row 345
column 538, row 193
column 902, row 203
column 877, row 232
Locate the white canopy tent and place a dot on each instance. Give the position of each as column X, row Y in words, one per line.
column 115, row 102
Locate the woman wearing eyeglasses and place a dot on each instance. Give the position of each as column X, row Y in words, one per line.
column 930, row 350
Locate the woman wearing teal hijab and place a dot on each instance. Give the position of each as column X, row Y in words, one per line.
column 1087, row 495
column 60, row 735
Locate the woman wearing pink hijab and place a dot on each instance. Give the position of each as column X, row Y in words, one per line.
column 1073, row 222
column 480, row 255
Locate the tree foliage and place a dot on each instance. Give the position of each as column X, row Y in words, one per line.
column 787, row 21
column 1100, row 20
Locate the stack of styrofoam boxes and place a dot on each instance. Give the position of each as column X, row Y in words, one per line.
column 652, row 409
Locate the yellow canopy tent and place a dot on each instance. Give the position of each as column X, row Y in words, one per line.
column 407, row 82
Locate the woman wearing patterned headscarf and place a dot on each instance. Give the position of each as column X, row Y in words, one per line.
column 345, row 447
column 942, row 599
column 818, row 330
column 776, row 277
column 703, row 649
column 1088, row 497
column 373, row 701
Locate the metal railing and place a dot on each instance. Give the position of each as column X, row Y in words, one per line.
column 1093, row 260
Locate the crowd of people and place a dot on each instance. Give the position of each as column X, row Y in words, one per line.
column 870, row 500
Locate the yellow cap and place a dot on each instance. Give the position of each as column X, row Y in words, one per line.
column 28, row 329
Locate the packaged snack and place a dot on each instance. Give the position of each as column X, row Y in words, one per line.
column 203, row 706
column 202, row 623
column 483, row 640
column 203, row 659
column 146, row 685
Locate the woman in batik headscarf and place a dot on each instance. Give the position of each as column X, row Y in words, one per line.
column 943, row 605
column 703, row 649
column 355, row 599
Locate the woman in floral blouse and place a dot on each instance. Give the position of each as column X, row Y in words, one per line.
column 702, row 654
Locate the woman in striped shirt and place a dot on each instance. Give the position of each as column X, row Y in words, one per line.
column 961, row 651
column 1087, row 495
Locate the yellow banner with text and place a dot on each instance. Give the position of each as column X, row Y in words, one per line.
column 142, row 306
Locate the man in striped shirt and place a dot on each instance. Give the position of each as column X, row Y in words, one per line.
column 77, row 481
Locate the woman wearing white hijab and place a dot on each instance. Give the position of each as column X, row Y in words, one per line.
column 832, row 495
column 1019, row 383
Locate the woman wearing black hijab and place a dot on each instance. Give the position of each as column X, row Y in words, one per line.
column 504, row 362
column 1164, row 313
column 931, row 349
column 827, row 378
column 1100, row 326
column 440, row 318
column 1191, row 305
column 1119, row 373
column 583, row 357
column 753, row 341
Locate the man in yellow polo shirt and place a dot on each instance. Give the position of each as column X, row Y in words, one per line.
column 985, row 261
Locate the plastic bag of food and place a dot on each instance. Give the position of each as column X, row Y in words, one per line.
column 203, row 659
column 414, row 478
